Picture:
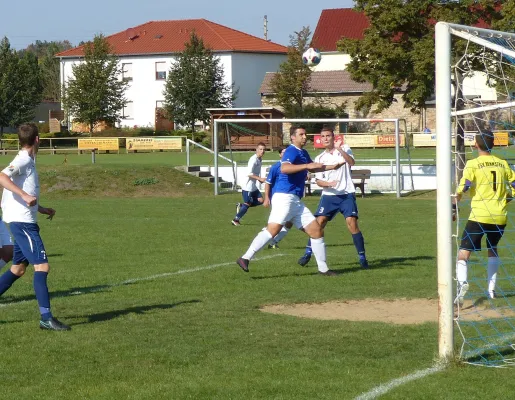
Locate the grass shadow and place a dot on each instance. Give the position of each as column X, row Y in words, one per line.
column 60, row 293
column 109, row 315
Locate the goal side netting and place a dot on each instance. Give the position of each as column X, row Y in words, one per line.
column 475, row 90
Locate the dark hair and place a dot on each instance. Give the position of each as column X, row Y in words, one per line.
column 280, row 149
column 327, row 128
column 485, row 140
column 261, row 144
column 27, row 134
column 293, row 129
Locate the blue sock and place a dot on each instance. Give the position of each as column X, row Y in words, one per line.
column 6, row 281
column 359, row 242
column 243, row 210
column 42, row 296
column 309, row 251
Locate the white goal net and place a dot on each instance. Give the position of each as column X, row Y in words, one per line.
column 475, row 90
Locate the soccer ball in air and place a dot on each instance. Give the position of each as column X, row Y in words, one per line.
column 311, row 57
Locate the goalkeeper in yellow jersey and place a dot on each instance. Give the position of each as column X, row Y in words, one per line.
column 490, row 182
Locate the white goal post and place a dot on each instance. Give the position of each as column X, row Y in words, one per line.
column 488, row 41
column 395, row 121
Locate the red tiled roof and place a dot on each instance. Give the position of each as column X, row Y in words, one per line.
column 337, row 23
column 323, row 82
column 158, row 37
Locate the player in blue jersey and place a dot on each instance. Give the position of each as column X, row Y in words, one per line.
column 287, row 204
column 338, row 193
column 271, row 178
column 251, row 195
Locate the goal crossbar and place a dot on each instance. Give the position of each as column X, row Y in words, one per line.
column 395, row 121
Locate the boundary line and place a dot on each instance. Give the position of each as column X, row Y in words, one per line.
column 385, row 388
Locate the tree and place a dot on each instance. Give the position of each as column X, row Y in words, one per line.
column 290, row 84
column 49, row 65
column 196, row 82
column 397, row 50
column 96, row 92
column 20, row 86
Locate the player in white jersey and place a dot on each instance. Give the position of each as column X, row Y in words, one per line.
column 20, row 207
column 252, row 197
column 338, row 193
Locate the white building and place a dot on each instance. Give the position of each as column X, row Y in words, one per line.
column 147, row 52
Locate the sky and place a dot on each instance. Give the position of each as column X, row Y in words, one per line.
column 76, row 21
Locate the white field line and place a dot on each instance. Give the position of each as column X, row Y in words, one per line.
column 152, row 277
column 385, row 388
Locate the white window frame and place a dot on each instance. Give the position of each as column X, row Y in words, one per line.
column 128, row 110
column 161, row 69
column 127, row 74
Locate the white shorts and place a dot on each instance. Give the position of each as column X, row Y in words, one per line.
column 5, row 236
column 289, row 207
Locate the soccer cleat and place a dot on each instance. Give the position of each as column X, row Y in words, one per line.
column 303, row 261
column 273, row 246
column 328, row 273
column 363, row 262
column 462, row 291
column 53, row 324
column 235, row 222
column 238, row 207
column 243, row 263
column 492, row 294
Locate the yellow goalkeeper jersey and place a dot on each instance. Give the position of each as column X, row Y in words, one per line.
column 488, row 179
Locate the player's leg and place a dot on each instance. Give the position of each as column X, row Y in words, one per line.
column 17, row 269
column 493, row 236
column 280, row 214
column 29, row 240
column 242, row 208
column 349, row 209
column 326, row 210
column 280, row 236
column 311, row 226
column 6, row 243
column 470, row 241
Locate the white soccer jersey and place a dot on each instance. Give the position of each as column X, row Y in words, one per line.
column 253, row 168
column 22, row 172
column 342, row 174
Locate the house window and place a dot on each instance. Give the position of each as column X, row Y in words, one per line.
column 128, row 110
column 160, row 103
column 160, row 70
column 127, row 71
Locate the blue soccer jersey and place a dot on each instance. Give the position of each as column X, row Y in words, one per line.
column 271, row 178
column 293, row 183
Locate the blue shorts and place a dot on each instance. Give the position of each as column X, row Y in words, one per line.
column 252, row 197
column 28, row 246
column 343, row 203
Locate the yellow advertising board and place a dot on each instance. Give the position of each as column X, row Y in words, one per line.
column 172, row 143
column 381, row 140
column 429, row 140
column 99, row 144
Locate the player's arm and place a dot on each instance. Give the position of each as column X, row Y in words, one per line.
column 346, row 153
column 322, row 183
column 250, row 168
column 6, row 183
column 266, row 200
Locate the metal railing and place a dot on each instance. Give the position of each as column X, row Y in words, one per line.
column 233, row 163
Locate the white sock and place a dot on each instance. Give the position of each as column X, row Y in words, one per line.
column 2, row 263
column 257, row 244
column 493, row 267
column 318, row 247
column 277, row 238
column 461, row 271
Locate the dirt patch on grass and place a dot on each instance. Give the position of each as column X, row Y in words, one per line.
column 398, row 311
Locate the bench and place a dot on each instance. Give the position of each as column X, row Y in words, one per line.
column 359, row 178
column 250, row 142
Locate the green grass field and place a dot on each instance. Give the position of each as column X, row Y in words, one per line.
column 146, row 276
